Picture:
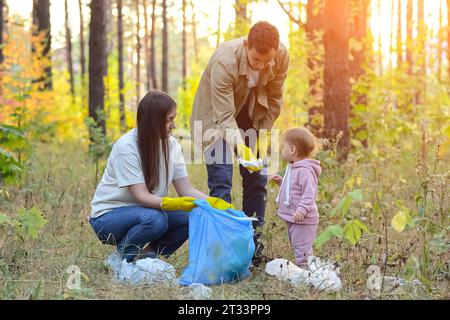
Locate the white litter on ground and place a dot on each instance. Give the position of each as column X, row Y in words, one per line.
column 196, row 291
column 323, row 275
column 144, row 271
column 395, row 285
column 153, row 271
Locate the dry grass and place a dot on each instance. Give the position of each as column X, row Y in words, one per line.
column 61, row 184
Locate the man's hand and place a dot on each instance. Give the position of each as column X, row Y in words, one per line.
column 298, row 216
column 250, row 162
column 180, row 203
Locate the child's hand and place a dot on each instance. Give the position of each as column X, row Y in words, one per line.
column 276, row 178
column 298, row 216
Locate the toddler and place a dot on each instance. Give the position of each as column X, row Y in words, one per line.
column 297, row 195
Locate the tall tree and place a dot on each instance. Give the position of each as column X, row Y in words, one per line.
column 391, row 35
column 184, row 48
column 448, row 36
column 336, row 73
column 69, row 48
column 314, row 31
column 97, row 61
column 409, row 36
column 358, row 32
column 109, row 28
column 147, row 54
column 165, row 51
column 380, row 46
column 439, row 63
column 1, row 30
column 153, row 47
column 41, row 23
column 399, row 35
column 421, row 54
column 242, row 21
column 194, row 33
column 138, row 52
column 82, row 49
column 120, row 61
column 219, row 17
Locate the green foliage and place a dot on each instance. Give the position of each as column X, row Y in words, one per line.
column 12, row 139
column 348, row 227
column 26, row 225
column 402, row 218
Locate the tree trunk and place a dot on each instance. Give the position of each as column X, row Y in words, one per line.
column 448, row 36
column 82, row 50
column 184, row 49
column 194, row 33
column 120, row 61
column 153, row 48
column 109, row 28
column 380, row 48
column 399, row 35
column 97, row 61
column 165, row 45
column 421, row 54
column 219, row 16
column 358, row 31
column 336, row 74
column 242, row 21
column 41, row 22
column 314, row 25
column 391, row 36
column 147, row 48
column 69, row 49
column 439, row 62
column 138, row 54
column 409, row 36
column 1, row 30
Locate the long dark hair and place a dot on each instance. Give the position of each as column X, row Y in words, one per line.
column 153, row 139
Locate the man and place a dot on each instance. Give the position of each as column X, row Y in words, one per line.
column 241, row 89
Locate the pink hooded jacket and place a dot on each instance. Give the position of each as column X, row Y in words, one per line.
column 298, row 191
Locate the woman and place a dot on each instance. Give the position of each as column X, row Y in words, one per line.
column 130, row 207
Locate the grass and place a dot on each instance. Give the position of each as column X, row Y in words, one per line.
column 61, row 182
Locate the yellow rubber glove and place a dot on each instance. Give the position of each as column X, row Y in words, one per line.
column 218, row 203
column 246, row 154
column 180, row 203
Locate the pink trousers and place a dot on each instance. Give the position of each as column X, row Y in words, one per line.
column 302, row 237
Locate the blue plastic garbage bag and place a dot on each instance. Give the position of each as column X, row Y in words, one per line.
column 221, row 246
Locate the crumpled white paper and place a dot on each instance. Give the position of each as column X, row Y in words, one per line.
column 323, row 275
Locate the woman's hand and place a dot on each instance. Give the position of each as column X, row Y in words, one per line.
column 218, row 203
column 180, row 203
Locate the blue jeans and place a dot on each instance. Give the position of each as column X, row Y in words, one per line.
column 220, row 177
column 131, row 228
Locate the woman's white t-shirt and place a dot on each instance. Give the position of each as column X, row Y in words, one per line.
column 123, row 169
